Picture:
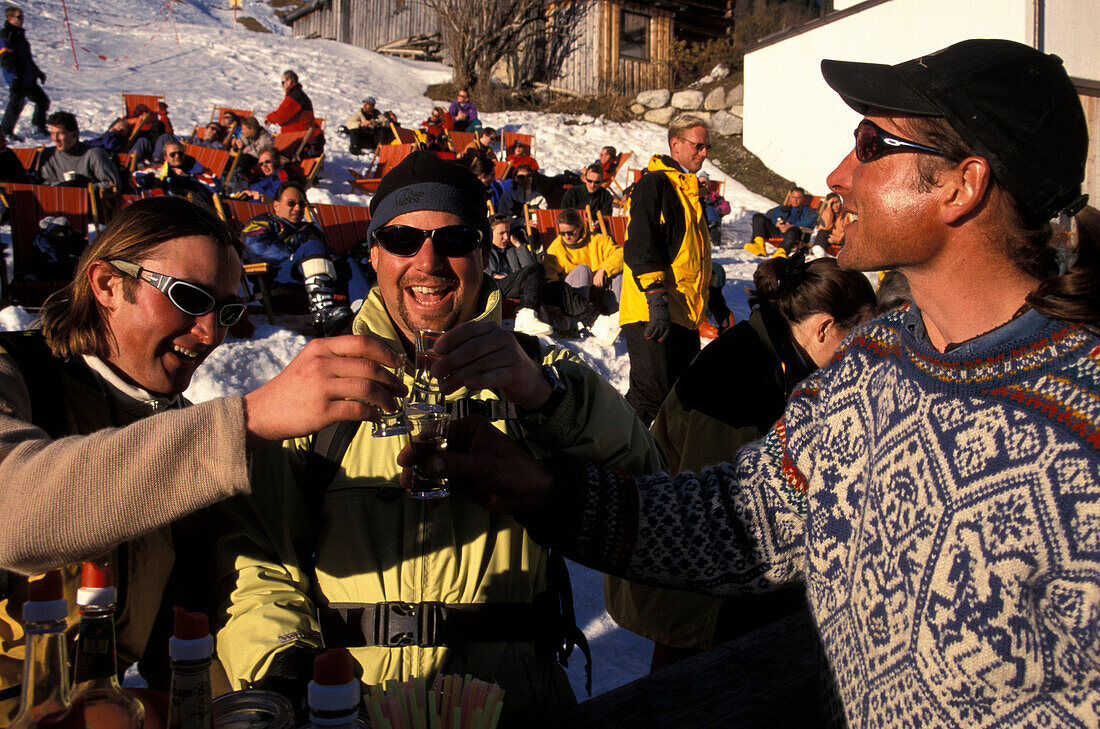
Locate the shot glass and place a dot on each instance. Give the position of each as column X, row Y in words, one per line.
column 426, row 395
column 428, row 435
column 392, row 423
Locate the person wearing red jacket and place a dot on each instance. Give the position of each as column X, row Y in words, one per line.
column 295, row 113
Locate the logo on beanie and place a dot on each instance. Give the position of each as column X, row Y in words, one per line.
column 409, row 197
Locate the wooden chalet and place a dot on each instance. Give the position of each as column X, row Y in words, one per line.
column 392, row 26
column 621, row 46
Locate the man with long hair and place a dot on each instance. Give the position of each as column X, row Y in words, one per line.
column 99, row 454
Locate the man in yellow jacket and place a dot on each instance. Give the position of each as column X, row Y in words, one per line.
column 667, row 267
column 412, row 588
column 584, row 260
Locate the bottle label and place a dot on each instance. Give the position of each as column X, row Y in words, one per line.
column 190, row 704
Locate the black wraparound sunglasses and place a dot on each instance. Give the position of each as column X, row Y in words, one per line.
column 450, row 240
column 872, row 142
column 189, row 298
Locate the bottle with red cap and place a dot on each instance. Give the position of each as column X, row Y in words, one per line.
column 190, row 650
column 46, row 666
column 105, row 703
column 334, row 693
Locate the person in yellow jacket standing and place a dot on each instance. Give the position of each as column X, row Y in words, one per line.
column 666, row 277
column 413, row 588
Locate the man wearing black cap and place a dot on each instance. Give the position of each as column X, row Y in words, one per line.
column 482, row 598
column 937, row 485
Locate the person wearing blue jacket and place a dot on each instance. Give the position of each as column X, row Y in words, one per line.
column 22, row 76
column 782, row 221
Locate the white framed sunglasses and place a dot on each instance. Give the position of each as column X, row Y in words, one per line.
column 189, row 298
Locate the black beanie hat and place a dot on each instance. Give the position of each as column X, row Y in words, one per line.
column 423, row 181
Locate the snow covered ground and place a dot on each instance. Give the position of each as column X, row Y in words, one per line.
column 197, row 59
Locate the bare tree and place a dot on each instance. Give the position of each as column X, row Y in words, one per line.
column 479, row 34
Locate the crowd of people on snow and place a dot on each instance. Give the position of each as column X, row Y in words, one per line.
column 917, row 468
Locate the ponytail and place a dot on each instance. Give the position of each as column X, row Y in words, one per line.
column 1074, row 295
column 797, row 289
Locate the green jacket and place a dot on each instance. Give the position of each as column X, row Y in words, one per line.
column 731, row 395
column 374, row 544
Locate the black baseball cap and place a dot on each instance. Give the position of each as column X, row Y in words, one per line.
column 1013, row 105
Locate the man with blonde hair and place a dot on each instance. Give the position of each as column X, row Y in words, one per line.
column 667, row 267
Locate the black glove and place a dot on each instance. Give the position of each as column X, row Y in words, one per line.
column 42, row 76
column 659, row 325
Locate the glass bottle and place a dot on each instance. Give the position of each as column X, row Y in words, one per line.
column 190, row 650
column 46, row 666
column 95, row 674
column 334, row 692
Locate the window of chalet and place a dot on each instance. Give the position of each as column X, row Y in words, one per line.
column 633, row 35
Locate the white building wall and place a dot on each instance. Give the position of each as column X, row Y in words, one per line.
column 801, row 129
column 1071, row 28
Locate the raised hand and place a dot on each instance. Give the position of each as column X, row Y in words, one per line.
column 333, row 379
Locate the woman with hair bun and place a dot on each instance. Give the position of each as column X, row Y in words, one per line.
column 731, row 395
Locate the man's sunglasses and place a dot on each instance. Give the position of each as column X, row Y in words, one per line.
column 699, row 146
column 450, row 240
column 189, row 298
column 872, row 142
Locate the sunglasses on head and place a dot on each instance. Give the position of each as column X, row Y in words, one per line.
column 450, row 240
column 189, row 298
column 872, row 142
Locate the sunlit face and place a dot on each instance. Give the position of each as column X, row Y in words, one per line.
column 463, row 96
column 291, row 206
column 427, row 290
column 286, row 83
column 155, row 345
column 605, row 155
column 795, row 197
column 690, row 148
column 368, row 107
column 211, row 133
column 62, row 137
column 591, row 181
column 571, row 235
column 173, row 154
column 268, row 162
column 502, row 238
column 523, row 178
column 227, row 120
column 895, row 222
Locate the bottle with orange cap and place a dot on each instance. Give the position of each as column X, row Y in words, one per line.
column 46, row 666
column 334, row 692
column 95, row 670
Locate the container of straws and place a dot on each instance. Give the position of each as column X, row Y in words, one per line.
column 451, row 702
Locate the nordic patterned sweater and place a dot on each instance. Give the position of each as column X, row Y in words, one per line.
column 943, row 510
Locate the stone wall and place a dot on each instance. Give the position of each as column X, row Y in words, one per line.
column 722, row 106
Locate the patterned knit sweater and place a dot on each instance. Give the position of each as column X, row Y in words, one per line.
column 943, row 509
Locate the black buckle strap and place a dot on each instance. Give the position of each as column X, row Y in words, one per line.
column 398, row 624
column 488, row 409
column 432, row 624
